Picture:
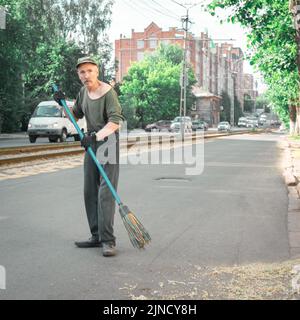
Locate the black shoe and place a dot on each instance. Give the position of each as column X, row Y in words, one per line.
column 91, row 243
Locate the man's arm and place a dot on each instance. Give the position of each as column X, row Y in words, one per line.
column 109, row 129
column 114, row 114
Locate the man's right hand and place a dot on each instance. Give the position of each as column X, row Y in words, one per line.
column 58, row 96
column 88, row 140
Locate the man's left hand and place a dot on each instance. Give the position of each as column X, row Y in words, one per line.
column 58, row 96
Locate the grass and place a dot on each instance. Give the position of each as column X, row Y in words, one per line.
column 295, row 138
column 257, row 281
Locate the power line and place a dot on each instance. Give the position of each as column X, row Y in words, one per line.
column 164, row 8
column 136, row 9
column 177, row 3
column 188, row 5
column 146, row 6
column 154, row 8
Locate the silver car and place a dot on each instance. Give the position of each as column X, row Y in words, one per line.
column 179, row 121
column 252, row 123
column 224, row 126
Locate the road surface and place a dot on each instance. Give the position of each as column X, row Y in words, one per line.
column 234, row 213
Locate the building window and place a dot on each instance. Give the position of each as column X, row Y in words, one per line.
column 140, row 44
column 165, row 42
column 140, row 56
column 153, row 43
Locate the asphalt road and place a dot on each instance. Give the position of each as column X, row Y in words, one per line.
column 235, row 212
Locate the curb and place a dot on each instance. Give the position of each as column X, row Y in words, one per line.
column 292, row 178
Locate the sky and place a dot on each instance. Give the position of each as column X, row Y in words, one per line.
column 138, row 14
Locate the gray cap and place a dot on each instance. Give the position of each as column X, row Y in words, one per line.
column 86, row 60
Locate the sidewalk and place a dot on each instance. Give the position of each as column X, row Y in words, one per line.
column 292, row 179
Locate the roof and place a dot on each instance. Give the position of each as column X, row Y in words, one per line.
column 201, row 93
column 53, row 103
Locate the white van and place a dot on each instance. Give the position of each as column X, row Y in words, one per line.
column 49, row 120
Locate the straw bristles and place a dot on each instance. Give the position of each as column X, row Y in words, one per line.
column 138, row 235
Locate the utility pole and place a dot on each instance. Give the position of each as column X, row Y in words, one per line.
column 183, row 94
column 184, row 76
column 233, row 75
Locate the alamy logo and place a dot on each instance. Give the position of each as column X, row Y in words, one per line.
column 2, row 278
column 175, row 149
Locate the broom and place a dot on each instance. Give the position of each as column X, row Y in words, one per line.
column 138, row 235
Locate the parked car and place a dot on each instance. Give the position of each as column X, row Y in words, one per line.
column 48, row 120
column 159, row 126
column 242, row 122
column 199, row 125
column 252, row 122
column 224, row 126
column 262, row 119
column 179, row 121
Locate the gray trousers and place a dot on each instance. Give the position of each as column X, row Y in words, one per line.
column 99, row 202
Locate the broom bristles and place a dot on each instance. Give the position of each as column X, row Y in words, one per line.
column 138, row 235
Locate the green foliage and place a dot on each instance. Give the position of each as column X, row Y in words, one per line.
column 272, row 45
column 262, row 102
column 129, row 113
column 248, row 104
column 226, row 103
column 237, row 110
column 40, row 45
column 152, row 86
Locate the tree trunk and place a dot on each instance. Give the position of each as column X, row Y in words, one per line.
column 296, row 104
column 297, row 129
column 293, row 117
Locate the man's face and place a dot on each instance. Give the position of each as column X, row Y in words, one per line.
column 88, row 74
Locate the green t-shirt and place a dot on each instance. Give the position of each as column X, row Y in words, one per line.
column 98, row 112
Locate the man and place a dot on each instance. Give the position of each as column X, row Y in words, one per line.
column 98, row 102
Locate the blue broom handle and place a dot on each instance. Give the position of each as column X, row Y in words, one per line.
column 90, row 150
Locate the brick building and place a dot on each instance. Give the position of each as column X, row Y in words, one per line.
column 218, row 68
column 129, row 50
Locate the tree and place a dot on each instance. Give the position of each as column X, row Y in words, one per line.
column 272, row 46
column 238, row 113
column 262, row 102
column 248, row 104
column 152, row 86
column 41, row 45
column 86, row 22
column 11, row 53
column 226, row 103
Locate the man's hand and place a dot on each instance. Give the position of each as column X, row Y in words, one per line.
column 88, row 140
column 58, row 96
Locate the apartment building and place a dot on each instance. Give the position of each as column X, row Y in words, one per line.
column 218, row 67
column 129, row 50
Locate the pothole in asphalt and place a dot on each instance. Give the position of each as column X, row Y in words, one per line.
column 173, row 179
